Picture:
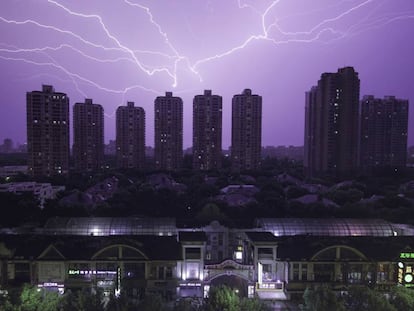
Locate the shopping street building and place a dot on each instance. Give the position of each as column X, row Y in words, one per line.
column 277, row 259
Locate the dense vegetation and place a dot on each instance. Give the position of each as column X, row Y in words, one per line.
column 198, row 201
column 221, row 298
column 358, row 299
column 30, row 298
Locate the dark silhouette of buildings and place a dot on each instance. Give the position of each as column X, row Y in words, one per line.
column 7, row 146
column 47, row 132
column 88, row 138
column 110, row 147
column 207, row 129
column 246, row 131
column 331, row 124
column 130, row 136
column 168, row 140
column 384, row 126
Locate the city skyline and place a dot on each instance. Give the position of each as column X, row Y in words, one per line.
column 276, row 48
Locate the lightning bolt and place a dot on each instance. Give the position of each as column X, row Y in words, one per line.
column 271, row 31
column 93, row 58
column 178, row 57
column 75, row 75
column 116, row 41
column 326, row 21
column 315, row 32
column 57, row 29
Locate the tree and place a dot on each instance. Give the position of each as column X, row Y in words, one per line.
column 84, row 300
column 68, row 301
column 342, row 196
column 151, row 302
column 34, row 299
column 210, row 212
column 366, row 299
column 402, row 298
column 322, row 298
column 222, row 298
column 5, row 304
column 254, row 304
column 30, row 298
column 185, row 305
column 120, row 303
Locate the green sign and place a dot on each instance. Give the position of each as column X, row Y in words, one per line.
column 407, row 255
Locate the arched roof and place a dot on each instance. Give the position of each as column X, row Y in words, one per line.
column 120, row 251
column 326, row 227
column 339, row 251
column 104, row 226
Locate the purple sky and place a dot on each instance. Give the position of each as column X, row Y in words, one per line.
column 132, row 50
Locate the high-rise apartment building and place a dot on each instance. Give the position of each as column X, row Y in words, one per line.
column 246, row 131
column 384, row 127
column 88, row 138
column 331, row 124
column 207, row 129
column 312, row 127
column 47, row 132
column 130, row 136
column 168, row 142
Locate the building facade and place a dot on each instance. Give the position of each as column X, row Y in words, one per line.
column 384, row 128
column 276, row 260
column 312, row 128
column 47, row 132
column 332, row 124
column 246, row 131
column 88, row 138
column 130, row 136
column 207, row 131
column 168, row 141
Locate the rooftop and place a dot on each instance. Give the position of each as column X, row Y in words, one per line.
column 327, row 227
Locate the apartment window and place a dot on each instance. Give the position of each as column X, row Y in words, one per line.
column 324, row 272
column 169, row 272
column 382, row 273
column 304, row 272
column 354, row 277
column 220, row 241
column 267, row 273
column 295, row 274
column 22, row 272
column 193, row 253
column 160, row 273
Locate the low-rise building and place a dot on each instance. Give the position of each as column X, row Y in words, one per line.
column 42, row 191
column 276, row 260
column 13, row 170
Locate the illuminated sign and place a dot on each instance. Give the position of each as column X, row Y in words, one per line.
column 407, row 255
column 190, row 284
column 90, row 272
column 270, row 286
column 105, row 283
column 50, row 284
column 118, row 282
column 400, row 275
column 405, row 274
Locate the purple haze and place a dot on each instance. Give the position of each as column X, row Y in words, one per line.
column 131, row 50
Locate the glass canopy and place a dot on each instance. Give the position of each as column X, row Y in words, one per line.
column 326, row 227
column 104, row 226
